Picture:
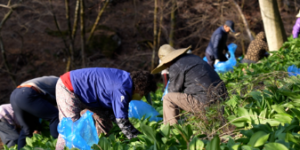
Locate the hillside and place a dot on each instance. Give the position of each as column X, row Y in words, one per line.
column 34, row 46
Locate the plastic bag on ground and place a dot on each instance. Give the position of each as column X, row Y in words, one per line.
column 81, row 134
column 293, row 70
column 138, row 109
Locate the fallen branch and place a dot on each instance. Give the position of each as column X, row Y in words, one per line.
column 244, row 20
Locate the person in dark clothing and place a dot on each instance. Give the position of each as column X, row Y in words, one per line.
column 32, row 100
column 9, row 126
column 257, row 49
column 101, row 90
column 193, row 84
column 214, row 51
column 165, row 72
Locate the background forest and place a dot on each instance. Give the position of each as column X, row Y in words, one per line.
column 49, row 37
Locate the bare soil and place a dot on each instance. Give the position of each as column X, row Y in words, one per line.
column 35, row 48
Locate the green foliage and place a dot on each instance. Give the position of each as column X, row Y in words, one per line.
column 263, row 108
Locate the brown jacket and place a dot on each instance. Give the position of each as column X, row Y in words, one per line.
column 257, row 48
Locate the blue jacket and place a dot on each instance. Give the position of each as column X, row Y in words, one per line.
column 217, row 44
column 103, row 87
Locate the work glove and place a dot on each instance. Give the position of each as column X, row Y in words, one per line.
column 216, row 61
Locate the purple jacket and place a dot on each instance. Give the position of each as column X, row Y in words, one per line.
column 296, row 29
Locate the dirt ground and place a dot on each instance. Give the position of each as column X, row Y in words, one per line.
column 35, row 47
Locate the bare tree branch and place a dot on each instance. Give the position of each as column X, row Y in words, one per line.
column 10, row 6
column 7, row 15
column 71, row 49
column 75, row 19
column 97, row 20
column 57, row 26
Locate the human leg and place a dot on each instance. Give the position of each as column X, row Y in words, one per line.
column 69, row 105
column 29, row 106
column 8, row 134
column 173, row 101
column 210, row 60
column 27, row 121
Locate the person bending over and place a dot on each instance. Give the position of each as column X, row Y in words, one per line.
column 193, row 85
column 32, row 100
column 104, row 91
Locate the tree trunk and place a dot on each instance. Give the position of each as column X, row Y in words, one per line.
column 82, row 32
column 171, row 36
column 70, row 55
column 273, row 24
column 6, row 64
column 161, row 9
column 154, row 35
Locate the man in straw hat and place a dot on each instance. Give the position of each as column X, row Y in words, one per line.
column 214, row 51
column 296, row 28
column 193, row 83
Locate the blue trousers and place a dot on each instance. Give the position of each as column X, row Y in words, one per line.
column 8, row 134
column 29, row 106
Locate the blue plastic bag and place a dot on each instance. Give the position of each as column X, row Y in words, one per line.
column 293, row 70
column 138, row 109
column 80, row 134
column 225, row 66
column 205, row 59
column 165, row 91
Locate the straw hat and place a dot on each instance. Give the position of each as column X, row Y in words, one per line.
column 166, row 54
column 298, row 14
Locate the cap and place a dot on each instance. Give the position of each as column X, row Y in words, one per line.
column 230, row 24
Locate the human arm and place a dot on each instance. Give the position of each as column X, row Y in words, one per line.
column 296, row 33
column 127, row 128
column 218, row 52
column 296, row 29
column 120, row 107
column 216, row 61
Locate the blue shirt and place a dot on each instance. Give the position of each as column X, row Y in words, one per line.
column 103, row 87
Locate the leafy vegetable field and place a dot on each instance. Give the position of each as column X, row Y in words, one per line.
column 263, row 113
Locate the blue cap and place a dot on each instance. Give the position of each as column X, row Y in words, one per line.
column 230, row 24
